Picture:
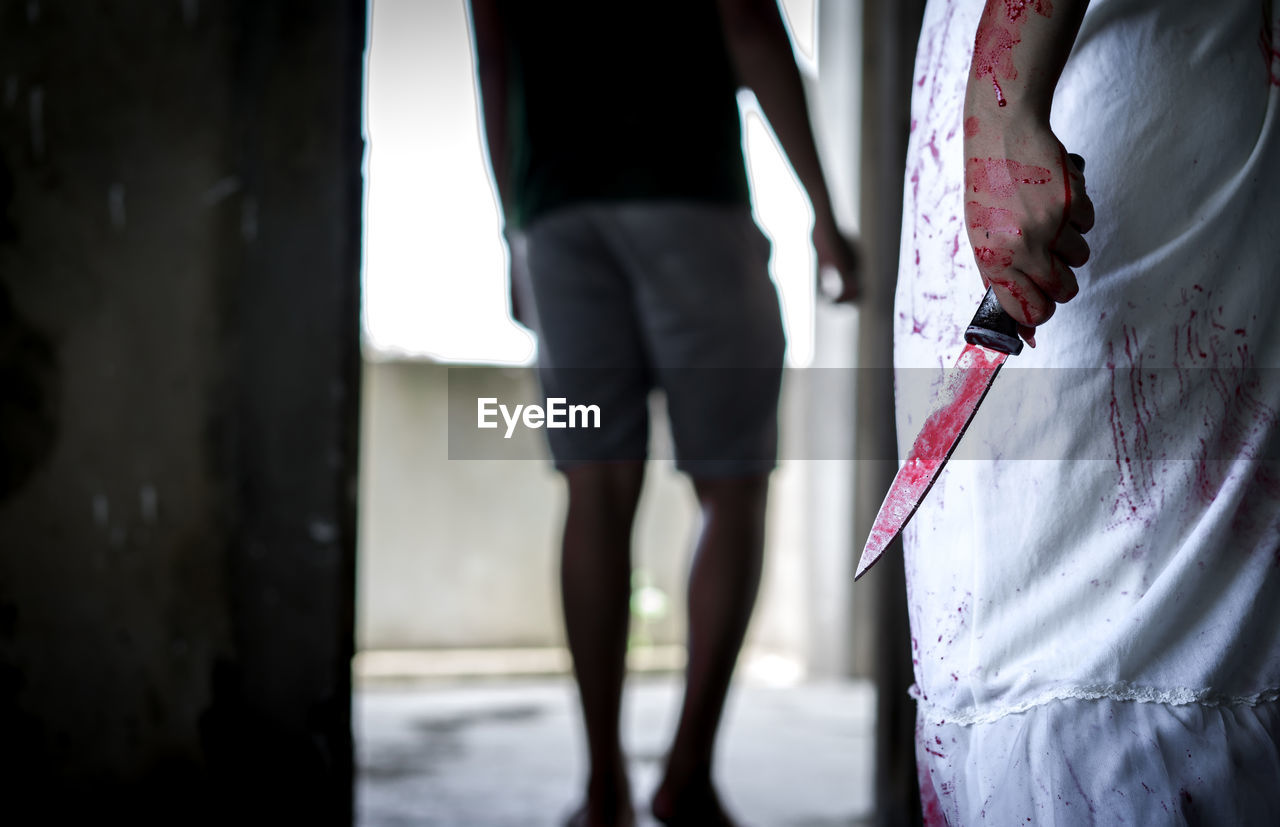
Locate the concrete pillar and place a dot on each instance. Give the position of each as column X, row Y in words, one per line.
column 180, row 223
column 890, row 32
column 830, row 385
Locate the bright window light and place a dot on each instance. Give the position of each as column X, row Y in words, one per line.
column 435, row 269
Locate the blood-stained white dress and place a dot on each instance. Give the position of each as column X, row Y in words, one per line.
column 1094, row 580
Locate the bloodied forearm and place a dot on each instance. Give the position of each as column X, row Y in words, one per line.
column 1026, row 208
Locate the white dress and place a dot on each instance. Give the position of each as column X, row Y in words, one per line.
column 1094, row 581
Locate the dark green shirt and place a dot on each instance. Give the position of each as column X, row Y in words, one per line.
column 617, row 100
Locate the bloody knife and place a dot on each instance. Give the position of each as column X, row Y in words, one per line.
column 991, row 338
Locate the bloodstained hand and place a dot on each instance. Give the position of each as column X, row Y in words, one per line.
column 1026, row 208
column 1026, row 218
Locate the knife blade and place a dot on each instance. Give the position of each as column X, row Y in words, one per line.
column 991, row 338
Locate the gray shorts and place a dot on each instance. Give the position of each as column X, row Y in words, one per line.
column 628, row 298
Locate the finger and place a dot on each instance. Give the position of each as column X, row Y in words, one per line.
column 1021, row 298
column 1067, row 287
column 1080, row 209
column 840, row 286
column 839, row 274
column 850, row 275
column 1028, row 334
column 1042, row 269
column 1081, row 214
column 1055, row 280
column 834, row 286
column 850, row 291
column 1051, row 275
column 824, row 283
column 1071, row 248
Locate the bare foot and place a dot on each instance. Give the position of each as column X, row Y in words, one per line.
column 587, row 817
column 607, row 805
column 695, row 804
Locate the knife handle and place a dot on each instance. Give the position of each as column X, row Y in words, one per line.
column 993, row 328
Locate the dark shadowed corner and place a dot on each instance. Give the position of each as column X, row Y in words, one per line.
column 180, row 226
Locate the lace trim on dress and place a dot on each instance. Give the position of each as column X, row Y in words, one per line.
column 1120, row 691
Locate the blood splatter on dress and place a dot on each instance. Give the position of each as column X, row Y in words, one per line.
column 1094, row 582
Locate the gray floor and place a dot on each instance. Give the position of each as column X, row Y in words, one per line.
column 499, row 753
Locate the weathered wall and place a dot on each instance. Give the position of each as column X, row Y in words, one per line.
column 464, row 553
column 179, row 270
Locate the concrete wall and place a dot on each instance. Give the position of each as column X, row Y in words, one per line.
column 179, row 269
column 465, row 553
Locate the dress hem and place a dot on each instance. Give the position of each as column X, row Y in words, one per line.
column 1119, row 691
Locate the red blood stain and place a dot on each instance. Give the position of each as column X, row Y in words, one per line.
column 970, row 127
column 1131, row 348
column 1066, row 196
column 1000, row 98
column 1001, row 176
column 993, row 56
column 1270, row 53
column 991, row 219
column 1079, row 787
column 932, row 808
column 1017, row 9
column 1015, row 291
column 1190, row 812
column 992, row 259
column 1217, row 383
column 933, row 146
column 1193, row 332
column 1138, row 401
column 962, row 391
column 1118, row 440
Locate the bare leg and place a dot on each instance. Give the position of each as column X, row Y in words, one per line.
column 723, row 583
column 595, row 581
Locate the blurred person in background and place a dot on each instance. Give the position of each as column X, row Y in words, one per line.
column 615, row 142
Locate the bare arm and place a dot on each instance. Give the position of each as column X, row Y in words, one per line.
column 491, row 74
column 491, row 77
column 1026, row 208
column 761, row 53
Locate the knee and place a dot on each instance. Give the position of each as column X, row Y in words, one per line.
column 739, row 494
column 613, row 485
